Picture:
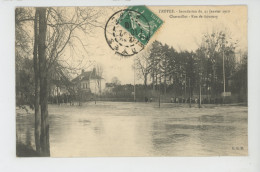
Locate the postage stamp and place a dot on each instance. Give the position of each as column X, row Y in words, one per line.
column 141, row 23
column 128, row 31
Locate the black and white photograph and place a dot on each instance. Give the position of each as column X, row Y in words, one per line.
column 131, row 81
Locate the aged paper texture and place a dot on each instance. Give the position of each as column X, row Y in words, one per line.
column 131, row 81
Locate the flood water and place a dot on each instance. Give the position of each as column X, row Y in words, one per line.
column 140, row 129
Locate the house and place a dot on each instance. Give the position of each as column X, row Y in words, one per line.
column 89, row 82
column 83, row 87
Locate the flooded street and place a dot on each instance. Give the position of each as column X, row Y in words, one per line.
column 140, row 129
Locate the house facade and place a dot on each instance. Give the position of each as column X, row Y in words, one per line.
column 85, row 86
column 89, row 82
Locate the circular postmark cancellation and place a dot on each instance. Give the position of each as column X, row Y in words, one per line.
column 127, row 31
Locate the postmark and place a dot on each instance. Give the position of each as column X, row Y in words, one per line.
column 128, row 31
column 118, row 38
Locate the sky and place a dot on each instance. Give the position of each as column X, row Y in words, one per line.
column 181, row 33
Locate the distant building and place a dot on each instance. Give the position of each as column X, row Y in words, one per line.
column 83, row 87
column 89, row 82
column 109, row 87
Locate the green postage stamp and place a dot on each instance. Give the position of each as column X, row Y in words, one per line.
column 127, row 31
column 140, row 22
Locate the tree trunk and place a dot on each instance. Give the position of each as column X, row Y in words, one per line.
column 214, row 81
column 57, row 97
column 37, row 124
column 165, row 82
column 153, row 81
column 156, row 80
column 153, row 73
column 44, row 138
column 165, row 66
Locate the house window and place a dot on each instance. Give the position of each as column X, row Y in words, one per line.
column 84, row 85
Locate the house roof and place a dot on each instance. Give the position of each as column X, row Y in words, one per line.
column 84, row 76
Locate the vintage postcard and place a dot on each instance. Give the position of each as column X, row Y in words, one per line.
column 131, row 81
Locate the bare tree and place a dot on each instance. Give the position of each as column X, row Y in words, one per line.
column 55, row 29
column 155, row 57
column 220, row 50
column 37, row 123
column 43, row 77
column 143, row 66
column 58, row 29
column 115, row 81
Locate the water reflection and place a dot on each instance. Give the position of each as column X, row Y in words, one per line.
column 129, row 129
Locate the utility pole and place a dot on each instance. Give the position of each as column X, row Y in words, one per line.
column 160, row 90
column 224, row 81
column 200, row 80
column 134, row 81
column 160, row 81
